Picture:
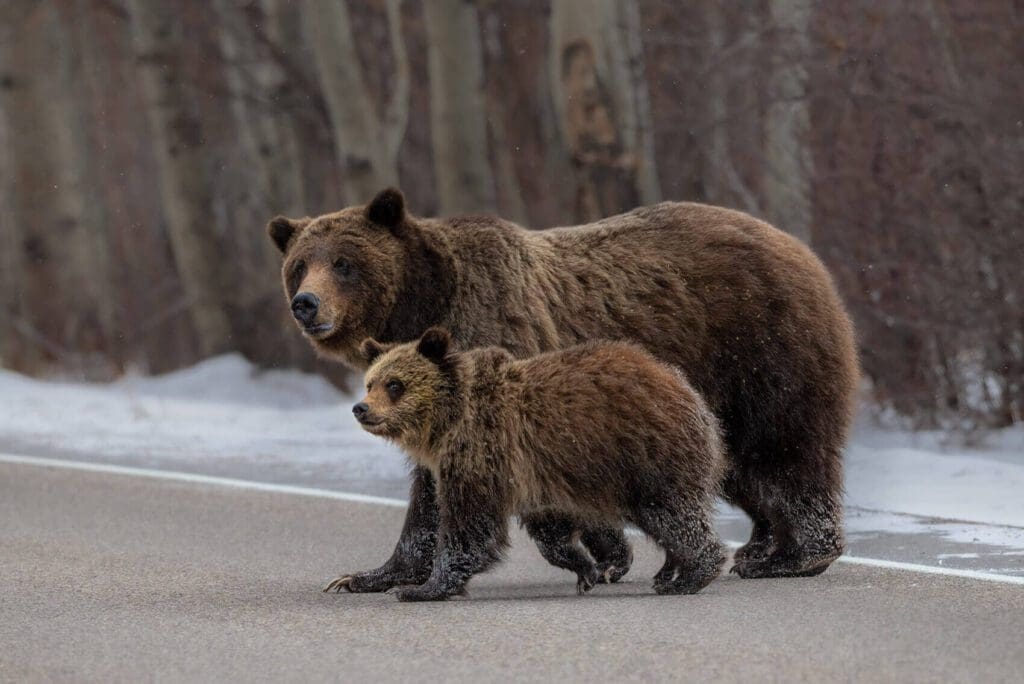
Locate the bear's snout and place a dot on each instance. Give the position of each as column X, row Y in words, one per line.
column 304, row 307
column 360, row 411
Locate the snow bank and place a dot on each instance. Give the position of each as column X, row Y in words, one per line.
column 967, row 486
column 223, row 408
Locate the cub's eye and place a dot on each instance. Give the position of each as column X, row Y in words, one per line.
column 395, row 389
column 342, row 266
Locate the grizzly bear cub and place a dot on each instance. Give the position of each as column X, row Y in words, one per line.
column 600, row 431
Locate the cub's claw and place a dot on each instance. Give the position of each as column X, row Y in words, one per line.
column 609, row 573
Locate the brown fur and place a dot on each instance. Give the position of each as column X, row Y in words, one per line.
column 601, row 431
column 745, row 310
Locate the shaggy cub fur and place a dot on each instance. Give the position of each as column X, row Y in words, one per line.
column 598, row 431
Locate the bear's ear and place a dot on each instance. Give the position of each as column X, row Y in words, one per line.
column 283, row 230
column 387, row 208
column 370, row 349
column 434, row 344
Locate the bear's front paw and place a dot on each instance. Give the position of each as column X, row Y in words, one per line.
column 428, row 591
column 371, row 581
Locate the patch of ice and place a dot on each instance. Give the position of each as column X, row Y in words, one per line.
column 870, row 523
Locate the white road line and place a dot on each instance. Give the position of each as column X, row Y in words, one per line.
column 398, row 503
column 199, row 479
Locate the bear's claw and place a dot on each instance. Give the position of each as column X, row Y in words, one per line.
column 336, row 585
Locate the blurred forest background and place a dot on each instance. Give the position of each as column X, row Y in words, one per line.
column 144, row 145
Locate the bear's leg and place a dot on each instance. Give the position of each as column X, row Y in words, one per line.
column 609, row 548
column 555, row 536
column 693, row 554
column 761, row 540
column 760, row 543
column 414, row 554
column 807, row 519
column 473, row 535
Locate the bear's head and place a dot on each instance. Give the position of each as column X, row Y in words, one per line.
column 410, row 389
column 361, row 272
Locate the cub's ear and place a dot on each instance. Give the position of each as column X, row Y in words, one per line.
column 434, row 344
column 284, row 230
column 387, row 208
column 370, row 349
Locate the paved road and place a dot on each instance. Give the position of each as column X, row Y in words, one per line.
column 882, row 535
column 122, row 578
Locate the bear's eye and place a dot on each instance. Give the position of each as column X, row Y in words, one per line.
column 342, row 266
column 395, row 389
column 297, row 274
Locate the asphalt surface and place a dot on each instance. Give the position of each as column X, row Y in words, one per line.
column 917, row 539
column 108, row 577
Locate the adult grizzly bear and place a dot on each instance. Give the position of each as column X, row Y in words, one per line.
column 746, row 311
column 599, row 431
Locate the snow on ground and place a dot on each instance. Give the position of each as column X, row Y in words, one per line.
column 965, row 485
column 221, row 409
column 226, row 417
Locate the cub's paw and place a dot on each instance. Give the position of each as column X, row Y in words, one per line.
column 586, row 581
column 609, row 573
column 682, row 583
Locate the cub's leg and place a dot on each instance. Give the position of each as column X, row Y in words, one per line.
column 414, row 554
column 693, row 554
column 556, row 538
column 472, row 536
column 609, row 548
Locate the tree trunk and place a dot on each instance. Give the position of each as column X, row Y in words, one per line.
column 366, row 143
column 787, row 174
column 178, row 141
column 58, row 227
column 722, row 181
column 284, row 160
column 602, row 104
column 458, row 111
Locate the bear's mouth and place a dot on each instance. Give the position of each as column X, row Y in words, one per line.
column 319, row 331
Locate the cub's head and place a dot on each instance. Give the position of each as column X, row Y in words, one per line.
column 410, row 388
column 342, row 271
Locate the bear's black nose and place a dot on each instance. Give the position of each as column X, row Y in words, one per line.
column 304, row 307
column 360, row 410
